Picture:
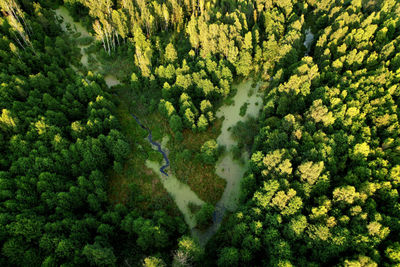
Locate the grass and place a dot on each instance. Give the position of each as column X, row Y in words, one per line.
column 135, row 174
column 200, row 177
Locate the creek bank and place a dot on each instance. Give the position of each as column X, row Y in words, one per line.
column 227, row 168
column 157, row 145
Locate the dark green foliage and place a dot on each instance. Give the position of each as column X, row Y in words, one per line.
column 323, row 181
column 244, row 132
column 204, row 216
column 193, row 207
column 176, row 123
column 243, row 109
column 58, row 136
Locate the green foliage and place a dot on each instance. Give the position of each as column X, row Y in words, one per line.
column 228, row 257
column 189, row 252
column 209, row 152
column 323, row 179
column 204, row 216
column 170, row 53
column 153, row 262
column 243, row 109
column 175, row 123
column 99, row 256
column 202, row 123
column 60, row 140
column 193, row 207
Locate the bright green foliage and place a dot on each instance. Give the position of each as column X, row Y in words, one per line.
column 191, row 248
column 209, row 151
column 153, row 262
column 323, row 177
column 170, row 53
column 393, row 253
column 202, row 123
column 322, row 186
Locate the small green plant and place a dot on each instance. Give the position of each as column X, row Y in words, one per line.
column 194, row 208
column 204, row 216
column 243, row 109
column 87, row 40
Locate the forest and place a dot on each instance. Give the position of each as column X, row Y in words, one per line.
column 305, row 173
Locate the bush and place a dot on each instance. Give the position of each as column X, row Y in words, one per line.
column 209, row 152
column 243, row 109
column 204, row 216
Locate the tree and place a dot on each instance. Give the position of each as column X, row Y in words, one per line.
column 143, row 53
column 7, row 122
column 192, row 31
column 99, row 256
column 153, row 262
column 191, row 249
column 189, row 119
column 170, row 53
column 205, row 106
column 393, row 252
column 175, row 123
column 121, row 22
column 244, row 64
column 204, row 216
column 209, row 151
column 202, row 123
column 149, row 235
column 229, row 256
column 166, row 108
column 320, row 113
column 310, row 171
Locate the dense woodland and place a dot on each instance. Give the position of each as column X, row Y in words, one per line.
column 322, row 186
column 324, row 177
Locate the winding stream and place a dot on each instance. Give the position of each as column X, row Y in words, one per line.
column 180, row 192
column 226, row 167
column 150, row 138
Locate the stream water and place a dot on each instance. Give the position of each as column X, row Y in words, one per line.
column 69, row 25
column 157, row 145
column 227, row 168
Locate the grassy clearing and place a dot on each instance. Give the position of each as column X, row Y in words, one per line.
column 136, row 179
column 189, row 168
